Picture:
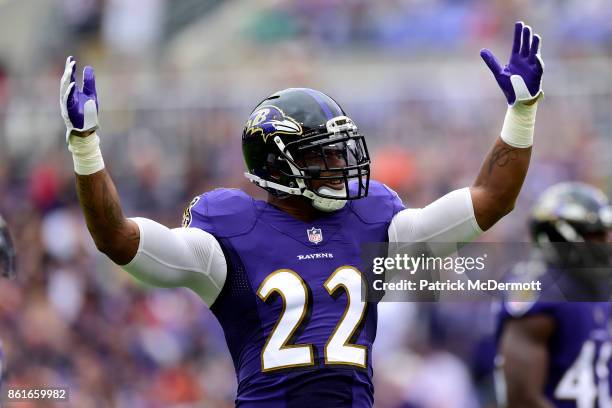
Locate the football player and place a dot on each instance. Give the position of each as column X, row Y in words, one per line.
column 557, row 354
column 281, row 275
column 7, row 270
column 1, row 364
column 7, row 251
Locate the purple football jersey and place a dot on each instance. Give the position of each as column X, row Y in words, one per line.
column 299, row 333
column 579, row 352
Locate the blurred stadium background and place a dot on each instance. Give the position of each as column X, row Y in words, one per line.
column 176, row 81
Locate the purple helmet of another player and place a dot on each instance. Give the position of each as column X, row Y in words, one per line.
column 570, row 223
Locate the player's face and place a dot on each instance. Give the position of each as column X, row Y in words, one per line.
column 332, row 156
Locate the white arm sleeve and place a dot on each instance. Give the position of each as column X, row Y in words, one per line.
column 187, row 257
column 449, row 219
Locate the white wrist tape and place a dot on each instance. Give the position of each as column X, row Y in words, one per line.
column 519, row 123
column 86, row 154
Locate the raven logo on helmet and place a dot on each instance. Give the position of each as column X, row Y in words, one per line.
column 269, row 121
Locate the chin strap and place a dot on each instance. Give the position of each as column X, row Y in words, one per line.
column 266, row 183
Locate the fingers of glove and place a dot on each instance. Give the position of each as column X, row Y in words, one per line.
column 68, row 75
column 64, row 99
column 526, row 44
column 67, row 69
column 73, row 72
column 540, row 64
column 491, row 61
column 89, row 82
column 518, row 30
column 67, row 93
column 535, row 47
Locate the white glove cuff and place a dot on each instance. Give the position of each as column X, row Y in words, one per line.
column 86, row 154
column 519, row 124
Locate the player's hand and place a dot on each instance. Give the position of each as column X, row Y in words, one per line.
column 79, row 107
column 521, row 79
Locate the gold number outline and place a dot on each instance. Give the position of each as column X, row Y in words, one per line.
column 346, row 310
column 284, row 345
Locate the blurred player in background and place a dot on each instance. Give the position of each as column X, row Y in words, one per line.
column 7, row 270
column 7, row 252
column 281, row 275
column 1, row 364
column 557, row 354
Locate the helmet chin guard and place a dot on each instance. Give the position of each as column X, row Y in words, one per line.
column 328, row 204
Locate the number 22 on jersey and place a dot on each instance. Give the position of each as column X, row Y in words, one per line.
column 278, row 354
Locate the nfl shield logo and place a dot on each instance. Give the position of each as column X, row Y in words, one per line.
column 315, row 235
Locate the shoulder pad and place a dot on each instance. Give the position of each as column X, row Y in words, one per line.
column 223, row 212
column 380, row 205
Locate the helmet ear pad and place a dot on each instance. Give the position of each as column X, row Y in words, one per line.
column 272, row 167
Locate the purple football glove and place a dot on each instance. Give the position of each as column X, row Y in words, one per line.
column 79, row 107
column 521, row 79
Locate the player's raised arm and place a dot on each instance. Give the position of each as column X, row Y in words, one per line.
column 112, row 232
column 499, row 182
column 148, row 250
column 462, row 215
